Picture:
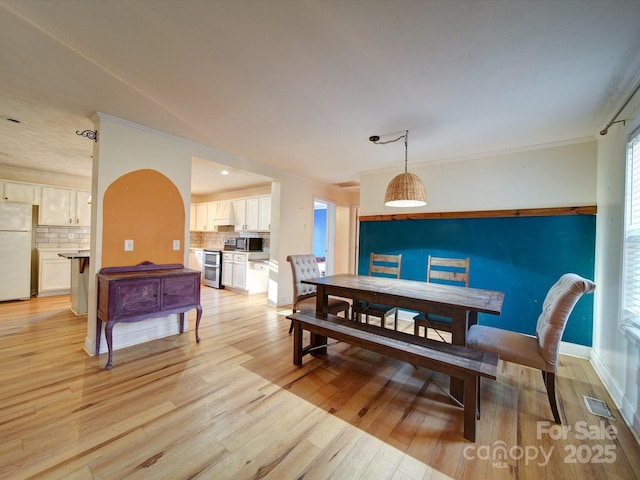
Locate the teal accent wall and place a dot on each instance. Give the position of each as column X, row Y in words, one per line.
column 521, row 256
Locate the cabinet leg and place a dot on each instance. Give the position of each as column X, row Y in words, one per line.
column 198, row 317
column 98, row 335
column 108, row 333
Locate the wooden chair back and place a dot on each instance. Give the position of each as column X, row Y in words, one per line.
column 454, row 270
column 389, row 265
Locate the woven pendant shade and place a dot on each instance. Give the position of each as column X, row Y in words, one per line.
column 405, row 190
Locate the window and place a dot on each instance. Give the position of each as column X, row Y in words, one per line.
column 631, row 299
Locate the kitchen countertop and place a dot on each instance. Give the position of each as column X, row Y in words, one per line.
column 78, row 254
column 61, row 249
column 251, row 255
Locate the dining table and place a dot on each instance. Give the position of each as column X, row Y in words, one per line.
column 461, row 304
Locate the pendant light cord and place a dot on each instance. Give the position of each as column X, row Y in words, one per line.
column 406, row 141
column 375, row 139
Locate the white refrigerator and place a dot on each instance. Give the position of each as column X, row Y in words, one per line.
column 15, row 251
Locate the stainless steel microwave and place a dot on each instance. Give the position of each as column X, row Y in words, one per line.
column 249, row 244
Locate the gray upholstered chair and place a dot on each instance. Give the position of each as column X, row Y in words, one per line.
column 540, row 351
column 305, row 267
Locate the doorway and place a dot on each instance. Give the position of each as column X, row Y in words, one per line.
column 324, row 221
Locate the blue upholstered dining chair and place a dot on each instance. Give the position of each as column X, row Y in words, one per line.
column 542, row 350
column 386, row 265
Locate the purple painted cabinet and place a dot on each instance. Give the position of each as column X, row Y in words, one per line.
column 131, row 294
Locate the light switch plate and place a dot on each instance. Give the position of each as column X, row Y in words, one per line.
column 176, row 244
column 128, row 245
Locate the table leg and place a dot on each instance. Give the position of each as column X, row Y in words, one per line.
column 470, row 407
column 473, row 319
column 297, row 344
column 458, row 337
column 322, row 302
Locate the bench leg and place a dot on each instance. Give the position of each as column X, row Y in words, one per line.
column 297, row 343
column 478, row 389
column 470, row 406
column 318, row 344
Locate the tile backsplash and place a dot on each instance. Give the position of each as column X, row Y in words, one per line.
column 63, row 237
column 215, row 240
column 80, row 237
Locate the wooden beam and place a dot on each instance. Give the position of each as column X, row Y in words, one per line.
column 523, row 212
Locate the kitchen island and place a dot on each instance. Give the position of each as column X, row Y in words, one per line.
column 79, row 280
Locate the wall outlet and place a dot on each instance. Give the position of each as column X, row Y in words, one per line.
column 128, row 245
column 176, row 244
column 71, row 236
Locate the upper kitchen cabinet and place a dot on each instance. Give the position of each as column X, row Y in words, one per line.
column 264, row 215
column 62, row 206
column 206, row 217
column 252, row 214
column 20, row 192
column 200, row 217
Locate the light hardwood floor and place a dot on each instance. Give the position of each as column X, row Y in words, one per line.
column 235, row 406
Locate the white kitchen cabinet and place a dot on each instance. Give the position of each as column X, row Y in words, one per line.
column 212, row 214
column 201, row 217
column 66, row 207
column 264, row 215
column 83, row 208
column 239, row 214
column 206, row 217
column 257, row 276
column 196, row 260
column 20, row 192
column 252, row 214
column 54, row 273
column 239, row 281
column 245, row 272
column 227, row 269
column 234, row 271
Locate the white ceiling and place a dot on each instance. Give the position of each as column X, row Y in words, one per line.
column 301, row 85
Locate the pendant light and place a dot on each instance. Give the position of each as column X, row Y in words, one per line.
column 406, row 189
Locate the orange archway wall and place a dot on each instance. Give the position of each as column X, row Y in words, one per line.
column 146, row 207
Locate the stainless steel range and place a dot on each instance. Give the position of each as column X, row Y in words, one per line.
column 212, row 266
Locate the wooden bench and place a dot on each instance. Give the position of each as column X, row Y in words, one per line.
column 453, row 360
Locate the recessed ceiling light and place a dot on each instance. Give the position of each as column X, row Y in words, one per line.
column 225, row 172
